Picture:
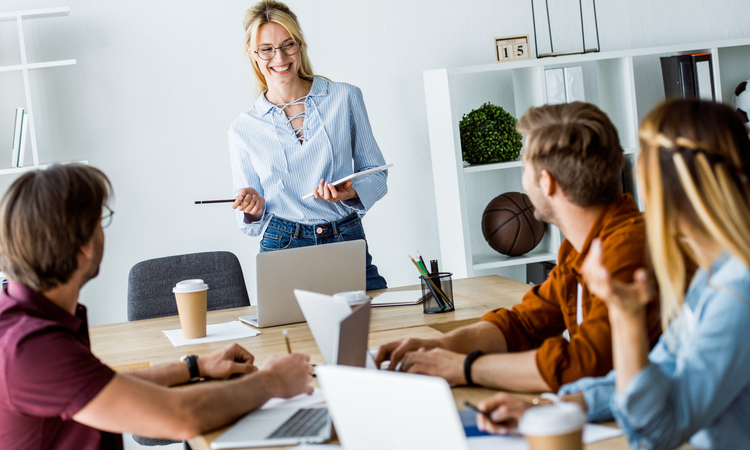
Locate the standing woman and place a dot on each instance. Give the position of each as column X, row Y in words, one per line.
column 303, row 132
column 695, row 384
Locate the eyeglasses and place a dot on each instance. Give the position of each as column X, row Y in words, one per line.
column 267, row 52
column 107, row 216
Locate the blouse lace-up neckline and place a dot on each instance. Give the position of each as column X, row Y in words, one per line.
column 300, row 101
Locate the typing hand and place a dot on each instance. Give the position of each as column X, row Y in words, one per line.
column 504, row 411
column 291, row 373
column 226, row 361
column 394, row 351
column 334, row 194
column 249, row 201
column 436, row 362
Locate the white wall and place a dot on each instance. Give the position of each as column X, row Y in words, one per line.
column 158, row 83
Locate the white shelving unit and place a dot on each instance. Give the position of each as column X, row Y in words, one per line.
column 624, row 84
column 24, row 67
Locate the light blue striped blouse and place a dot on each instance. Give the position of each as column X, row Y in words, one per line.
column 267, row 156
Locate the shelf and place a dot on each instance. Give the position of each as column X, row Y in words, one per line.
column 573, row 59
column 42, row 65
column 485, row 261
column 35, row 13
column 30, row 168
column 518, row 163
column 494, row 166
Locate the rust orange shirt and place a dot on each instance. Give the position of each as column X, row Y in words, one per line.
column 551, row 307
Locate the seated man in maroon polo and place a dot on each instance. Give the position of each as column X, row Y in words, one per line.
column 54, row 393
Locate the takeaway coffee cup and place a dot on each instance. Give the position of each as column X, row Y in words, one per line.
column 554, row 427
column 353, row 298
column 191, row 305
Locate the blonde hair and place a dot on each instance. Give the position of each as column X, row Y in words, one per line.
column 693, row 167
column 267, row 11
column 578, row 145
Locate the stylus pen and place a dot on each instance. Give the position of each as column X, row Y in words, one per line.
column 203, row 202
column 286, row 340
column 474, row 407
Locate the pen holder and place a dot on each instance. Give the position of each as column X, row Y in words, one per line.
column 437, row 292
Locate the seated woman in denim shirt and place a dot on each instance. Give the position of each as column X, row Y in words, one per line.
column 694, row 386
column 303, row 130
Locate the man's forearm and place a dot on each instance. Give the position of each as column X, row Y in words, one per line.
column 483, row 336
column 509, row 371
column 164, row 375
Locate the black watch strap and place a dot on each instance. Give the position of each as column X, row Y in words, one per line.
column 192, row 364
column 470, row 358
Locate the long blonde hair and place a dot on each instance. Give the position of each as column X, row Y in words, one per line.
column 693, row 168
column 264, row 12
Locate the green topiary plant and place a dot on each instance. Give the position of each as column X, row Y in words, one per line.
column 489, row 135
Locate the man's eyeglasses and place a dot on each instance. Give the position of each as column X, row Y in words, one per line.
column 107, row 216
column 267, row 52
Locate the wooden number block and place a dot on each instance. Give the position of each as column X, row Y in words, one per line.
column 511, row 47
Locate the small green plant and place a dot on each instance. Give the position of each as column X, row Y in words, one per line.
column 489, row 135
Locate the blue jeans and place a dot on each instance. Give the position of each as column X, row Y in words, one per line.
column 283, row 234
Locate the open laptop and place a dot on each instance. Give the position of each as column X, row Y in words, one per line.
column 328, row 269
column 341, row 334
column 379, row 409
column 276, row 427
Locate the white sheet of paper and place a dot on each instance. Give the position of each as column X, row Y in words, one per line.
column 594, row 433
column 299, row 401
column 397, row 298
column 319, row 446
column 214, row 333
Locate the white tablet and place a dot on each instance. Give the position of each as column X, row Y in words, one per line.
column 354, row 176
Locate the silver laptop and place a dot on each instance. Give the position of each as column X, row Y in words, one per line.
column 341, row 334
column 328, row 269
column 277, row 427
column 380, row 409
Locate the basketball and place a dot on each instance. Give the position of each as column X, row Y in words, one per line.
column 509, row 225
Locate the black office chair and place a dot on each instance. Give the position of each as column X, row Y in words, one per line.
column 150, row 294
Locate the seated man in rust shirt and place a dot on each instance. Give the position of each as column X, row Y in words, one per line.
column 572, row 174
column 54, row 393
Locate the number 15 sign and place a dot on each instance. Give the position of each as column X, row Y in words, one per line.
column 511, row 48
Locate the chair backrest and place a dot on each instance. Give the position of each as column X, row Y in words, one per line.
column 150, row 283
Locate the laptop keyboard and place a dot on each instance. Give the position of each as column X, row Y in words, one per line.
column 306, row 422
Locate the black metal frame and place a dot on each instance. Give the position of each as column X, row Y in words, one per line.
column 549, row 25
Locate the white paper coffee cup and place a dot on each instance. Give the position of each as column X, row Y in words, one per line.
column 553, row 427
column 190, row 296
column 353, row 298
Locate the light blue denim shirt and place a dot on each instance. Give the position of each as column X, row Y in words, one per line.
column 696, row 385
column 267, row 156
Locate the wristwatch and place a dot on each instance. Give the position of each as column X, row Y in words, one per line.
column 470, row 358
column 192, row 363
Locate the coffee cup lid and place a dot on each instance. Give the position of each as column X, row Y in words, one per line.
column 187, row 286
column 552, row 420
column 353, row 298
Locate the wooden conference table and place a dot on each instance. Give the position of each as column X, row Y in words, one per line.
column 140, row 344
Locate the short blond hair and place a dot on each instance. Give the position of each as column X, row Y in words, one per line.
column 578, row 145
column 693, row 169
column 264, row 12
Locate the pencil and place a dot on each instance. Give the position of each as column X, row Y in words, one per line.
column 203, row 202
column 421, row 260
column 286, row 340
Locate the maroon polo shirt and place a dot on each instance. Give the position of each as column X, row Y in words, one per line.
column 47, row 374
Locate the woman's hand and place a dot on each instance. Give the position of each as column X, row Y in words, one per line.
column 334, row 194
column 249, row 201
column 630, row 299
column 504, row 411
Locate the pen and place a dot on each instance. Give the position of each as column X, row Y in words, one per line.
column 421, row 260
column 474, row 407
column 203, row 202
column 286, row 340
column 434, row 267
